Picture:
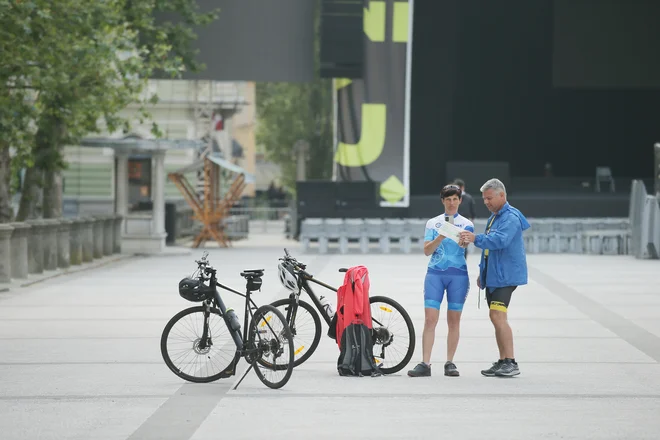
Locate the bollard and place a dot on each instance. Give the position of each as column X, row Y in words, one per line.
column 64, row 243
column 97, row 228
column 75, row 242
column 36, row 246
column 87, row 238
column 5, row 249
column 118, row 223
column 108, row 234
column 19, row 250
column 50, row 243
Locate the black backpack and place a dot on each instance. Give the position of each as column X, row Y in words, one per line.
column 356, row 352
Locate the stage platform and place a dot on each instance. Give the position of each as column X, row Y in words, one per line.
column 532, row 204
column 537, row 198
column 538, row 204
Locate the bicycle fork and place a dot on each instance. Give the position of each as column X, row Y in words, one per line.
column 291, row 311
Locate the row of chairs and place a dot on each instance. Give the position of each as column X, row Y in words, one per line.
column 578, row 235
column 547, row 235
column 404, row 232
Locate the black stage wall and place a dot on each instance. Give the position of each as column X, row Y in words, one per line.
column 491, row 81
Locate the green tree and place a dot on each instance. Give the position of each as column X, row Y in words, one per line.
column 92, row 68
column 17, row 65
column 289, row 112
column 99, row 57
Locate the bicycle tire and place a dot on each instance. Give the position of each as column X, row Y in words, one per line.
column 227, row 372
column 262, row 311
column 411, row 333
column 317, row 328
column 383, row 299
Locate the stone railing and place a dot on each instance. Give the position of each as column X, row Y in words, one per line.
column 36, row 246
column 644, row 221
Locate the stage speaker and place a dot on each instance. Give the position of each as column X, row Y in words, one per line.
column 325, row 198
column 357, row 195
column 316, row 198
column 656, row 172
column 342, row 39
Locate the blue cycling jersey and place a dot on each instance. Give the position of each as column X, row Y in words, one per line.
column 449, row 257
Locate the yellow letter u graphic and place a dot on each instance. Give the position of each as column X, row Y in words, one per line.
column 372, row 138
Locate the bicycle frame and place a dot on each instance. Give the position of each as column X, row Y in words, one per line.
column 219, row 303
column 304, row 279
column 303, row 284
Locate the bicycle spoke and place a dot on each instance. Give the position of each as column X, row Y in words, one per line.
column 192, row 358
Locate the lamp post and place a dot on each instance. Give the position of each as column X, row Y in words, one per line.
column 300, row 149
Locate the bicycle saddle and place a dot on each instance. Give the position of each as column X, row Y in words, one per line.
column 248, row 273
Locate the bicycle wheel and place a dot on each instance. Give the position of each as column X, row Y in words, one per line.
column 189, row 357
column 271, row 343
column 305, row 328
column 393, row 334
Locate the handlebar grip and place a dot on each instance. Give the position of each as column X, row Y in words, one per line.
column 343, row 269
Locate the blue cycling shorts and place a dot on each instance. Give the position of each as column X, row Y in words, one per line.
column 457, row 286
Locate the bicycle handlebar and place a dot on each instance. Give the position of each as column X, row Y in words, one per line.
column 290, row 259
column 204, row 266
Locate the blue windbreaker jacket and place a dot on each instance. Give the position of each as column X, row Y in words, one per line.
column 507, row 262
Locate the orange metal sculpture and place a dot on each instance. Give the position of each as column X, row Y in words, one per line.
column 212, row 209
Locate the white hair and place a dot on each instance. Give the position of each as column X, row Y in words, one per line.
column 494, row 184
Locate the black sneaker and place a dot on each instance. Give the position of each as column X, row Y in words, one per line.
column 451, row 370
column 421, row 370
column 507, row 369
column 490, row 372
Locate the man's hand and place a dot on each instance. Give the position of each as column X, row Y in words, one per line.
column 479, row 282
column 467, row 237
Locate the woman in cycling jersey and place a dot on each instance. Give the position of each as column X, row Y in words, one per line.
column 447, row 271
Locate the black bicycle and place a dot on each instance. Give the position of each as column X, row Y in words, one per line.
column 215, row 344
column 393, row 333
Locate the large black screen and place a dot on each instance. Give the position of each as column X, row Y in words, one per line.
column 606, row 43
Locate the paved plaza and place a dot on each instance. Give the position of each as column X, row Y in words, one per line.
column 80, row 357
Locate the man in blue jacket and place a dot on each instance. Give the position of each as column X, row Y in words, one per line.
column 503, row 267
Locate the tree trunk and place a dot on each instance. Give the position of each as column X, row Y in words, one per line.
column 52, row 194
column 33, row 182
column 30, row 206
column 6, row 210
column 42, row 190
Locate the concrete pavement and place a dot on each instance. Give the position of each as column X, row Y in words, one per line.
column 80, row 357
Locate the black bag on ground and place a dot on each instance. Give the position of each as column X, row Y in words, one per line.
column 356, row 352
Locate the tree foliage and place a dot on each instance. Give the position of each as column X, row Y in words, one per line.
column 90, row 67
column 16, row 112
column 289, row 112
column 77, row 64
